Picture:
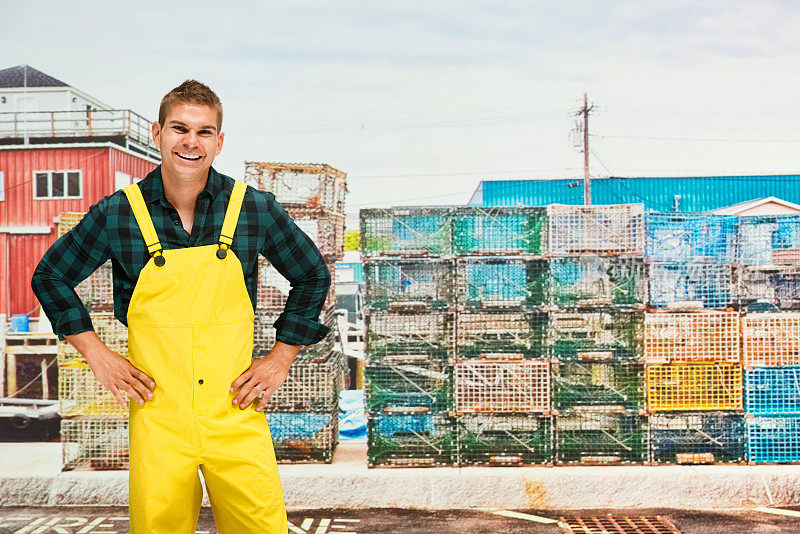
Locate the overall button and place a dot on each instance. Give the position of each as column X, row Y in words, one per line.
column 200, row 381
column 176, row 222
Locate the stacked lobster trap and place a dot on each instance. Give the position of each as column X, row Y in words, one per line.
column 94, row 427
column 409, row 299
column 596, row 301
column 303, row 413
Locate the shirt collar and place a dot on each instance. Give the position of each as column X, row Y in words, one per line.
column 153, row 186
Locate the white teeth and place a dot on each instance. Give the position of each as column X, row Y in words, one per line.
column 189, row 156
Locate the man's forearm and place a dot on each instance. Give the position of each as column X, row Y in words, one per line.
column 285, row 351
column 88, row 344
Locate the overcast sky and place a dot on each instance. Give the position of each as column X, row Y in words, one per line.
column 419, row 101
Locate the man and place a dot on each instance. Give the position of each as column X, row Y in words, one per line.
column 184, row 245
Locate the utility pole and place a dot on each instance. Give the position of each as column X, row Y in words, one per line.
column 587, row 182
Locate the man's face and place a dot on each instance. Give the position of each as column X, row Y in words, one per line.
column 189, row 141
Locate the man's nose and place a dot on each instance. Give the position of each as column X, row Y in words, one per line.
column 190, row 138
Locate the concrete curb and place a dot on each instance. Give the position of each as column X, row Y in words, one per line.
column 347, row 483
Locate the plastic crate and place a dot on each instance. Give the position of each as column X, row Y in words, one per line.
column 606, row 386
column 312, row 385
column 504, row 440
column 600, row 438
column 773, row 390
column 591, row 281
column 407, row 388
column 616, row 229
column 501, row 282
column 776, row 286
column 773, row 439
column 499, row 230
column 300, row 185
column 686, row 337
column 594, row 335
column 769, row 239
column 771, row 339
column 689, row 438
column 404, row 337
column 95, row 442
column 412, row 440
column 413, row 284
column 681, row 237
column 300, row 437
column 502, row 386
column 501, row 334
column 406, row 231
column 704, row 386
column 710, row 285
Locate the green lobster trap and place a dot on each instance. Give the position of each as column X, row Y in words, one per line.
column 410, row 284
column 595, row 281
column 407, row 337
column 598, row 386
column 600, row 438
column 407, row 388
column 303, row 437
column 501, row 282
column 501, row 334
column 418, row 231
column 596, row 335
column 410, row 440
column 499, row 230
column 504, row 440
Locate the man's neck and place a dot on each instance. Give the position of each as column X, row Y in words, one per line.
column 182, row 193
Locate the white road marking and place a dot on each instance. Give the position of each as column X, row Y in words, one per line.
column 527, row 517
column 777, row 511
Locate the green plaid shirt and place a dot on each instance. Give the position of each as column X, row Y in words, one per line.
column 109, row 231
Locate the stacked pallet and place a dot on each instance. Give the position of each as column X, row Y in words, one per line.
column 409, row 301
column 303, row 412
column 596, row 303
column 501, row 372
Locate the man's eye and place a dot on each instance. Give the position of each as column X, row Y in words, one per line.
column 179, row 129
column 205, row 132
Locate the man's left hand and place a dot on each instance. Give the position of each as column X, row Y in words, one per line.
column 265, row 374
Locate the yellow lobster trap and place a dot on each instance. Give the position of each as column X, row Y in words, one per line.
column 694, row 386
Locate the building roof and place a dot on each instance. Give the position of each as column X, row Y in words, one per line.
column 26, row 76
column 760, row 206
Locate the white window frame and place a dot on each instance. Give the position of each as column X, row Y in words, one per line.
column 50, row 184
column 2, row 185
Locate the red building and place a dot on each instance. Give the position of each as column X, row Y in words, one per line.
column 60, row 151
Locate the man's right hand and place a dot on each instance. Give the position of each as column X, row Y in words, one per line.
column 112, row 370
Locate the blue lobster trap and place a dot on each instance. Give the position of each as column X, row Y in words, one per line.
column 773, row 439
column 411, row 440
column 773, row 239
column 678, row 237
column 697, row 438
column 419, row 283
column 710, row 284
column 499, row 230
column 594, row 281
column 501, row 282
column 773, row 390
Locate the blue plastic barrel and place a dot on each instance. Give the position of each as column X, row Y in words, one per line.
column 20, row 322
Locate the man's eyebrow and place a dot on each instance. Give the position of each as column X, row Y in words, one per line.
column 206, row 127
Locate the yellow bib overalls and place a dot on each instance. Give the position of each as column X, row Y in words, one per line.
column 190, row 327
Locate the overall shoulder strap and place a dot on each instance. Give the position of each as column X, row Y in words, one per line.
column 136, row 200
column 232, row 213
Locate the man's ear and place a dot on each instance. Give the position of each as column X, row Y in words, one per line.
column 156, row 131
column 220, row 138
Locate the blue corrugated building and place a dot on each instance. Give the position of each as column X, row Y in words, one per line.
column 695, row 193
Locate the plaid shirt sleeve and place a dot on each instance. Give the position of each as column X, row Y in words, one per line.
column 71, row 259
column 299, row 260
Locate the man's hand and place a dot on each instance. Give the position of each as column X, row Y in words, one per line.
column 265, row 375
column 112, row 370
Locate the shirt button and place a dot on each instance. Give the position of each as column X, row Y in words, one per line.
column 200, row 381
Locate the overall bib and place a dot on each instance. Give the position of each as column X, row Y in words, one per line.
column 190, row 327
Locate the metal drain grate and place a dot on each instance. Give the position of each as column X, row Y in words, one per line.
column 618, row 524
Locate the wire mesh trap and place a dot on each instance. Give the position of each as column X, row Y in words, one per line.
column 706, row 285
column 773, row 439
column 599, row 386
column 773, row 390
column 95, row 442
column 501, row 282
column 600, row 438
column 300, row 185
column 683, row 237
column 601, row 229
column 694, row 386
column 592, row 281
column 613, row 335
column 502, row 386
column 403, row 337
column 312, row 385
column 504, row 440
column 769, row 239
column 272, row 288
column 499, row 230
column 691, row 438
column 773, row 286
column 412, row 284
column 301, row 437
column 81, row 394
column 406, row 231
column 410, row 440
column 501, row 334
column 702, row 336
column 771, row 339
column 407, row 388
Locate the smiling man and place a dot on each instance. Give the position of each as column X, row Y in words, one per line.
column 184, row 245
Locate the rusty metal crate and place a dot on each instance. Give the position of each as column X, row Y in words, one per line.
column 501, row 334
column 67, row 220
column 312, row 385
column 411, row 440
column 424, row 387
column 272, row 288
column 499, row 230
column 81, row 394
column 502, row 386
column 300, row 185
column 325, row 229
column 771, row 286
column 420, row 231
column 595, row 281
column 594, row 335
column 616, row 229
column 409, row 284
column 698, row 285
column 686, row 337
column 600, row 438
column 598, row 386
column 504, row 440
column 496, row 282
column 707, row 386
column 696, row 438
column 95, row 442
column 408, row 337
column 97, row 291
column 769, row 239
column 302, row 437
column 771, row 339
column 110, row 331
column 683, row 236
column 264, row 332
